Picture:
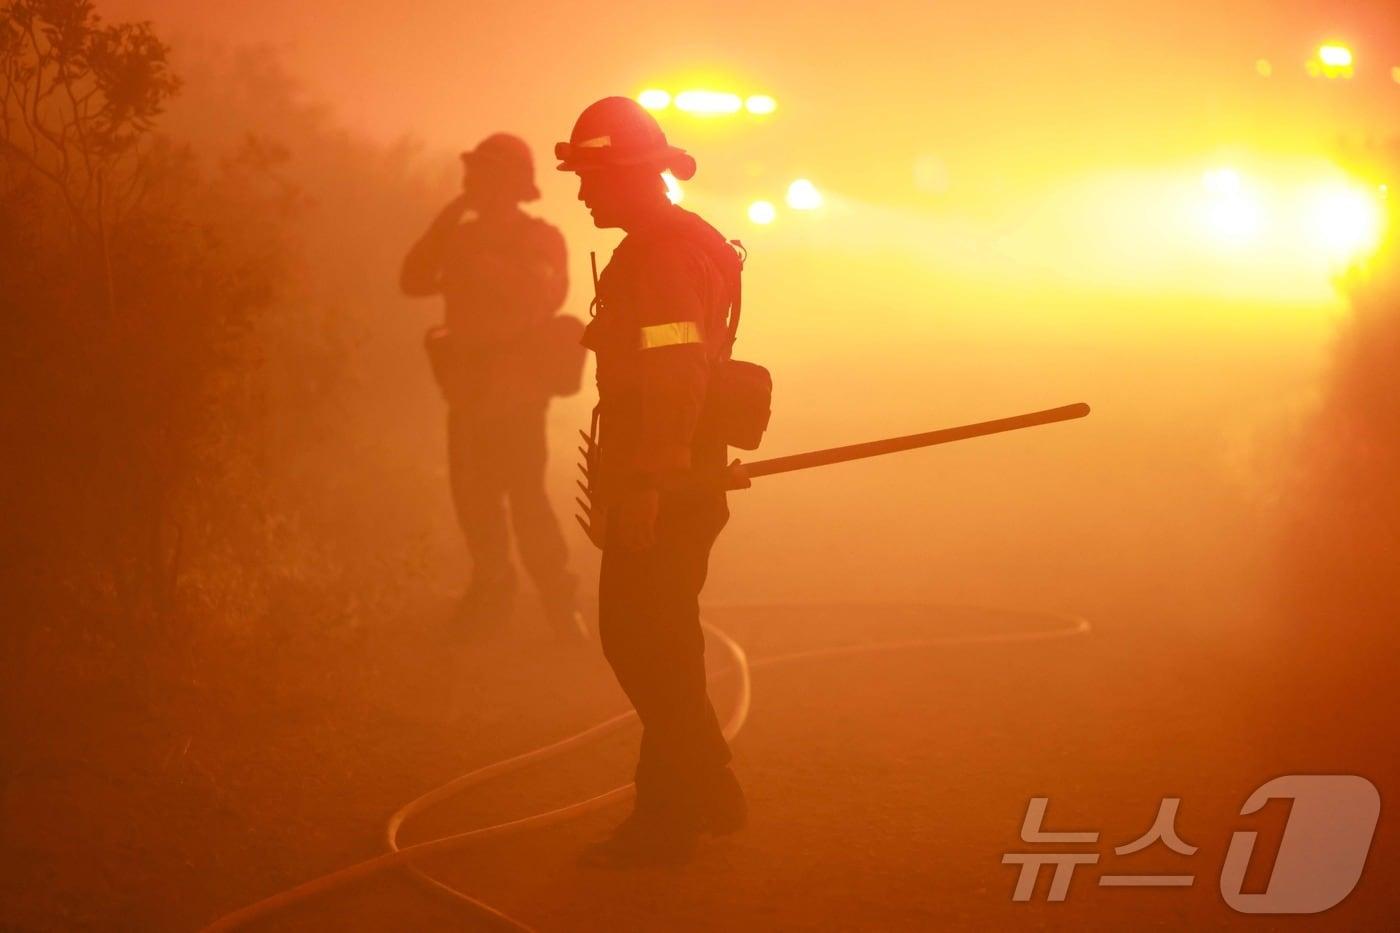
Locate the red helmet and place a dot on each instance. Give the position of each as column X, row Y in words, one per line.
column 617, row 131
column 507, row 160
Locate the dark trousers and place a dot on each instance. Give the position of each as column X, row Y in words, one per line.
column 649, row 624
column 497, row 458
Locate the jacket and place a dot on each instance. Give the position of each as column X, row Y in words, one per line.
column 660, row 329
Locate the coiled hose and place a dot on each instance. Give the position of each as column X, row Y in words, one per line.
column 406, row 856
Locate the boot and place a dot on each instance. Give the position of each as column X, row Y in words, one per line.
column 643, row 840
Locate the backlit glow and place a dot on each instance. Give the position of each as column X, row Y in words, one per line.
column 1345, row 221
column 760, row 103
column 1333, row 61
column 654, row 99
column 1334, row 56
column 673, row 188
column 1232, row 214
column 708, row 102
column 1326, row 221
column 802, row 195
column 762, row 212
column 1222, row 181
column 1234, row 219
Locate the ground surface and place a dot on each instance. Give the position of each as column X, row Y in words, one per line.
column 884, row 787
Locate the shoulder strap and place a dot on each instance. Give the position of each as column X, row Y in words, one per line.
column 728, row 257
column 736, row 290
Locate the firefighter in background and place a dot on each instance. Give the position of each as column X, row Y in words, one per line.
column 659, row 331
column 502, row 276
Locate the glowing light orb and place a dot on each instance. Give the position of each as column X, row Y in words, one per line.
column 1234, row 219
column 802, row 195
column 762, row 212
column 1335, row 56
column 1332, row 61
column 1222, row 181
column 708, row 102
column 1346, row 222
column 1232, row 214
column 654, row 99
column 1264, row 68
column 760, row 103
column 674, row 194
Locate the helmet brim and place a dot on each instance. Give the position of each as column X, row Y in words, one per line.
column 591, row 159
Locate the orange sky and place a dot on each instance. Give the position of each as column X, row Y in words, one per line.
column 1021, row 110
column 1083, row 79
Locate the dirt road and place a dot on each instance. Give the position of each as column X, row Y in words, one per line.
column 885, row 788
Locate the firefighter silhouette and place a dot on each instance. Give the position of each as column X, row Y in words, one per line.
column 496, row 357
column 659, row 331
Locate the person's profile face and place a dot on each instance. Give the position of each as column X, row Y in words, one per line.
column 616, row 195
column 473, row 184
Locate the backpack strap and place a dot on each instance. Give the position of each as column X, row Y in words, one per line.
column 728, row 258
column 736, row 290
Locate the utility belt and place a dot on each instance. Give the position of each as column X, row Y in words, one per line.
column 546, row 360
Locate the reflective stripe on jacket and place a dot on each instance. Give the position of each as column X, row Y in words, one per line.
column 660, row 328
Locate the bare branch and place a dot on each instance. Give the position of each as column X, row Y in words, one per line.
column 84, row 148
column 58, row 183
column 40, row 67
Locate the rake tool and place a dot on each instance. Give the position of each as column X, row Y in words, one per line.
column 739, row 475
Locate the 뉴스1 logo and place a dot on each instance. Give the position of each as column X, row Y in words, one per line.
column 1320, row 858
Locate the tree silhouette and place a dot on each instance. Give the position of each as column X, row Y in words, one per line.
column 132, row 276
column 80, row 97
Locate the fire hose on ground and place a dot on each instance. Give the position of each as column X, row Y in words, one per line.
column 740, row 475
